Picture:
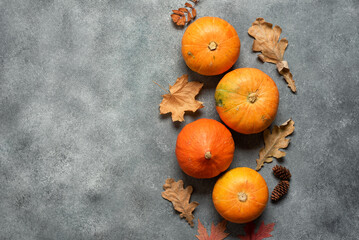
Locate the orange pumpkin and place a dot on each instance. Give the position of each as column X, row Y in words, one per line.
column 240, row 195
column 210, row 46
column 204, row 148
column 247, row 100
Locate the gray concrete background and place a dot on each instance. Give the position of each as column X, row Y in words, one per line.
column 84, row 152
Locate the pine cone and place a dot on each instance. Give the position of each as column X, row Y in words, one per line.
column 281, row 172
column 280, row 190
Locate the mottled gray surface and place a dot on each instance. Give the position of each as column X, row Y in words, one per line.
column 84, row 152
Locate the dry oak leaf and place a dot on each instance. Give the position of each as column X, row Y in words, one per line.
column 274, row 141
column 264, row 231
column 267, row 41
column 181, row 98
column 217, row 231
column 179, row 196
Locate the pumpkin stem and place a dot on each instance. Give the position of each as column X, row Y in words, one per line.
column 212, row 46
column 252, row 97
column 207, row 155
column 242, row 196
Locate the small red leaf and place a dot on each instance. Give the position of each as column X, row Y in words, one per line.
column 217, row 231
column 263, row 231
column 188, row 5
column 202, row 232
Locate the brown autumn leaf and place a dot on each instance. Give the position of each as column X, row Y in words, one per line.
column 181, row 98
column 179, row 16
column 217, row 231
column 267, row 41
column 274, row 141
column 179, row 196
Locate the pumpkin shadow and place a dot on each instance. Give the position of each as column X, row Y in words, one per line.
column 200, row 186
column 238, row 228
column 244, row 141
column 194, row 115
column 210, row 82
column 235, row 229
column 176, row 125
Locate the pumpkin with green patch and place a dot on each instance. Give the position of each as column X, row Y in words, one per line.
column 247, row 100
column 210, row 46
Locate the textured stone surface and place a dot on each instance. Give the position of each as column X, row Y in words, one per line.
column 84, row 152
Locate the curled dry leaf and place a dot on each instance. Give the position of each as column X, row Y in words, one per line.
column 264, row 231
column 267, row 41
column 181, row 98
column 217, row 231
column 179, row 16
column 283, row 69
column 274, row 141
column 179, row 196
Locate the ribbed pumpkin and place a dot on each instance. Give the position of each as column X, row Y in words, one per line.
column 240, row 195
column 210, row 46
column 204, row 148
column 247, row 100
